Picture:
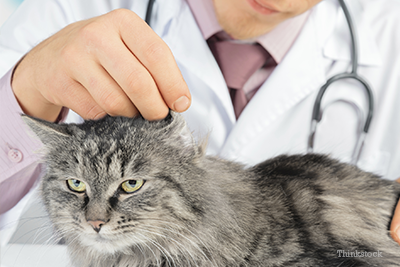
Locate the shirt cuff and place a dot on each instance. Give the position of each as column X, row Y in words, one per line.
column 18, row 146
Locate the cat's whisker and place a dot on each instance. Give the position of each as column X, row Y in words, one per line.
column 44, row 226
column 57, row 236
column 23, row 220
column 140, row 248
column 43, row 253
column 152, row 251
column 71, row 241
column 170, row 238
column 40, row 228
column 196, row 246
column 30, row 232
column 29, row 219
column 186, row 237
column 160, row 248
column 52, row 240
column 38, row 234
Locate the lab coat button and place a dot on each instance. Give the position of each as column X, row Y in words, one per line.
column 15, row 155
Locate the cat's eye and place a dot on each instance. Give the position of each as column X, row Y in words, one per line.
column 76, row 185
column 131, row 186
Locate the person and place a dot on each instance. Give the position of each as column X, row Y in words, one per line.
column 60, row 58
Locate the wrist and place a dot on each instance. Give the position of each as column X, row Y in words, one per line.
column 29, row 98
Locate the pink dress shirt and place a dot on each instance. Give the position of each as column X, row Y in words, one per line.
column 19, row 168
column 19, row 163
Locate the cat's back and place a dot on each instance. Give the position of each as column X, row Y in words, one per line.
column 326, row 209
column 323, row 176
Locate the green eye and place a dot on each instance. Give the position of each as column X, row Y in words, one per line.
column 76, row 185
column 131, row 186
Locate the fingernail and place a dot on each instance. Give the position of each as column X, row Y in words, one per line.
column 396, row 234
column 181, row 104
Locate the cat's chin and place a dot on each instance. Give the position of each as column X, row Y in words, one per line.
column 105, row 245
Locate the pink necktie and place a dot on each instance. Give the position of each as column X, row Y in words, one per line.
column 237, row 63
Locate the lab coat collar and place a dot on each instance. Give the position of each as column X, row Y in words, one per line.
column 368, row 50
column 192, row 52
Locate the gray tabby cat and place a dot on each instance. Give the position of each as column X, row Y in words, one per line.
column 127, row 192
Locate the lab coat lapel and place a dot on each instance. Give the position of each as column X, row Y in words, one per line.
column 192, row 52
column 304, row 64
column 368, row 50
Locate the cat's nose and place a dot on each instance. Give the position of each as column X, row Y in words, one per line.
column 96, row 225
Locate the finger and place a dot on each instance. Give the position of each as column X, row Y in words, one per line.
column 156, row 56
column 105, row 91
column 134, row 79
column 77, row 98
column 395, row 224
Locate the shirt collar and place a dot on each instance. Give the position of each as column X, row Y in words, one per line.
column 277, row 42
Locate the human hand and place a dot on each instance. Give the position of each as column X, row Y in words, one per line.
column 395, row 224
column 112, row 64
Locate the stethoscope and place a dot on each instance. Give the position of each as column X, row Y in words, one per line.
column 317, row 111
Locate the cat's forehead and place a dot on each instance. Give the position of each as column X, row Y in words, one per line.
column 106, row 136
column 96, row 163
column 113, row 145
column 120, row 130
column 112, row 152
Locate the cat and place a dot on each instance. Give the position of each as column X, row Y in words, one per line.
column 125, row 192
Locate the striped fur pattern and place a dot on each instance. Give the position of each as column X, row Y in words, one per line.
column 198, row 210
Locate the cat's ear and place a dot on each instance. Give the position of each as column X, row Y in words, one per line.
column 46, row 131
column 184, row 137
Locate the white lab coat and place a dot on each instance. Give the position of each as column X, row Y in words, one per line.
column 277, row 119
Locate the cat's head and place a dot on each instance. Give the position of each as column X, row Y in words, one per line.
column 118, row 182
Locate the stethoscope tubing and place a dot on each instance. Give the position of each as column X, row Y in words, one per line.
column 354, row 40
column 316, row 113
column 149, row 11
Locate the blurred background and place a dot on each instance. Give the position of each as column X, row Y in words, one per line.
column 7, row 7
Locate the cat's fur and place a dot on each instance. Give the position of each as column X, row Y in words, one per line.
column 198, row 210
